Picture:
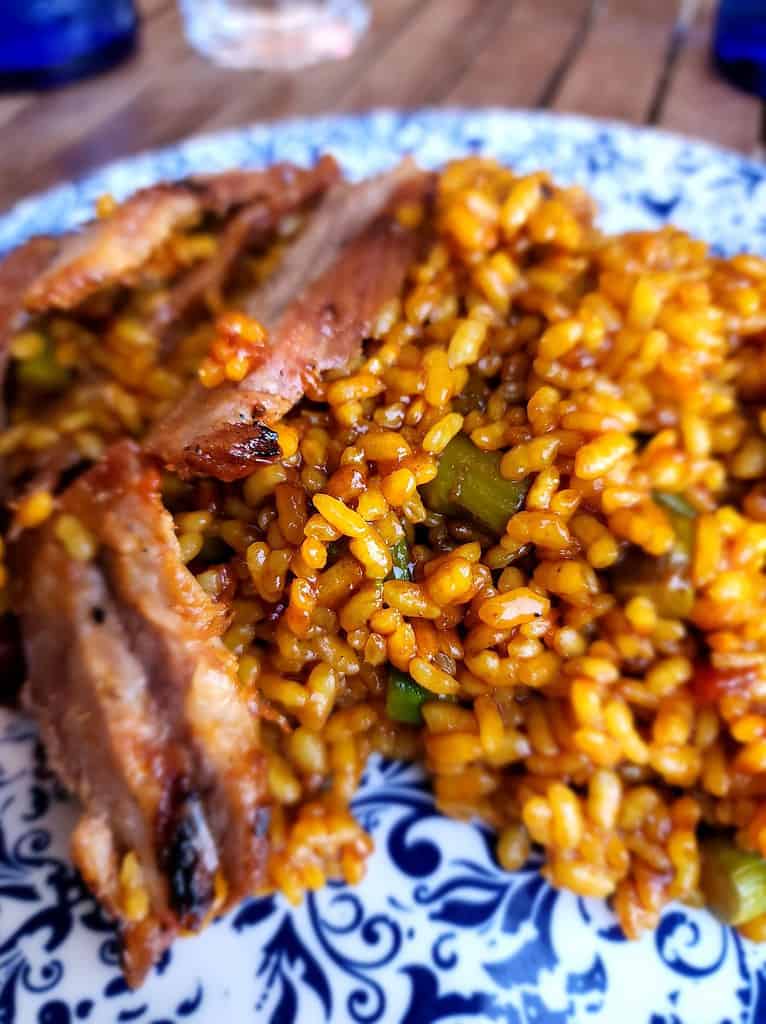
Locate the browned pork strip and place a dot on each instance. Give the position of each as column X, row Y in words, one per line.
column 109, row 251
column 50, row 273
column 105, row 251
column 280, row 187
column 352, row 257
column 138, row 705
column 206, row 279
column 265, row 197
column 101, row 728
column 175, row 629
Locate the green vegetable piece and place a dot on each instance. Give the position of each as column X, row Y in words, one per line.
column 664, row 580
column 214, row 549
column 473, row 396
column 733, row 881
column 42, row 372
column 681, row 515
column 405, row 698
column 468, row 484
column 400, row 556
column 675, row 503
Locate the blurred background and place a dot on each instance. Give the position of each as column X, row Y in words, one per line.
column 86, row 81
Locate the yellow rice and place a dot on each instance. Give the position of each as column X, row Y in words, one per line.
column 577, row 718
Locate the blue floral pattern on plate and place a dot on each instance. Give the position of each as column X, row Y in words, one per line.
column 436, row 932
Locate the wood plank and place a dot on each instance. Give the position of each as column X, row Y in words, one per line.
column 12, row 105
column 168, row 92
column 426, row 58
column 148, row 9
column 523, row 54
column 315, row 89
column 629, row 64
column 700, row 102
column 621, row 62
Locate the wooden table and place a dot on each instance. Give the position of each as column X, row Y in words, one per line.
column 644, row 61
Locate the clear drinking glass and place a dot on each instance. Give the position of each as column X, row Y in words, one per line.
column 274, row 34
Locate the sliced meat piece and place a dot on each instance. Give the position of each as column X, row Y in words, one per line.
column 175, row 631
column 138, row 704
column 18, row 270
column 105, row 251
column 352, row 257
column 206, row 279
column 265, row 197
column 101, row 728
column 44, row 470
column 281, row 186
column 95, row 853
column 346, row 211
column 230, row 451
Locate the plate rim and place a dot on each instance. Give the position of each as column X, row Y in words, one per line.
column 359, row 118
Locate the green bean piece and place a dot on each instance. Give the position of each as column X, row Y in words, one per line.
column 664, row 580
column 681, row 515
column 468, row 484
column 402, row 565
column 43, row 372
column 675, row 503
column 405, row 698
column 733, row 881
column 214, row 549
column 473, row 396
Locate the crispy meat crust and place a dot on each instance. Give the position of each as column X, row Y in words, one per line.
column 136, row 696
column 138, row 704
column 319, row 307
column 110, row 251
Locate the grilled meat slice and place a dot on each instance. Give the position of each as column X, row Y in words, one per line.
column 281, row 187
column 138, row 705
column 18, row 271
column 112, row 250
column 60, row 273
column 352, row 257
column 108, row 251
column 263, row 198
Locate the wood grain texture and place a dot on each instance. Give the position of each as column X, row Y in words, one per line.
column 524, row 54
column 620, row 62
column 422, row 63
column 639, row 60
column 700, row 103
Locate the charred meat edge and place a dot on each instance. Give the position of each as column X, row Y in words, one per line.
column 319, row 306
column 133, row 645
column 109, row 251
column 47, row 273
column 261, row 200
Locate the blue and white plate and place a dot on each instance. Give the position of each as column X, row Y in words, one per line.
column 436, row 932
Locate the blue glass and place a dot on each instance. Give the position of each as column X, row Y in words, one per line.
column 44, row 42
column 740, row 43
